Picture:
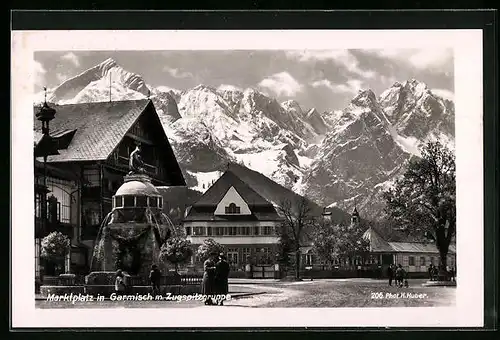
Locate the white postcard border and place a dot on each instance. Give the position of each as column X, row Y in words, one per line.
column 467, row 45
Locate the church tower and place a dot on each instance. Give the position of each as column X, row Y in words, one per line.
column 355, row 219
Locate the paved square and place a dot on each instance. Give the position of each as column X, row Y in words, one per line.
column 329, row 293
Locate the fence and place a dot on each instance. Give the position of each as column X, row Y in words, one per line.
column 166, row 280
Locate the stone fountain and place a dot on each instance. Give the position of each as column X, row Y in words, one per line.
column 131, row 235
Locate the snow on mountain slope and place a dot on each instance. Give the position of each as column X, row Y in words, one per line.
column 205, row 179
column 334, row 158
column 109, row 70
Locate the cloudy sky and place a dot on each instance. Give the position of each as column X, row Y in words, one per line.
column 326, row 79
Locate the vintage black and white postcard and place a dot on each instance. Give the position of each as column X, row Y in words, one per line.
column 247, row 178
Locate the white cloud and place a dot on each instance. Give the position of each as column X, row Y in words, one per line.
column 282, row 84
column 71, row 57
column 40, row 72
column 352, row 86
column 225, row 87
column 176, row 73
column 163, row 88
column 446, row 94
column 342, row 57
column 432, row 58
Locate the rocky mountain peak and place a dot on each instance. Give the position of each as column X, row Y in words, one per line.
column 364, row 98
column 107, row 64
column 331, row 157
column 292, row 105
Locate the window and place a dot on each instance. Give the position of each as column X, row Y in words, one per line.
column 267, row 230
column 128, row 201
column 209, row 231
column 38, row 206
column 91, row 214
column 357, row 260
column 411, row 261
column 160, row 202
column 422, row 260
column 153, row 202
column 53, row 210
column 309, row 259
column 232, row 230
column 61, row 190
column 118, row 201
column 92, row 177
column 264, row 255
column 405, row 261
column 188, row 231
column 141, row 201
column 246, row 253
column 232, row 209
column 244, row 230
column 256, row 230
column 431, row 260
column 198, row 231
column 232, row 257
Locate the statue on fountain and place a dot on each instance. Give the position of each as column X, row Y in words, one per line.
column 135, row 163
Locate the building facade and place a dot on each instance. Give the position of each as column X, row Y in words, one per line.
column 237, row 217
column 414, row 257
column 94, row 142
column 56, row 209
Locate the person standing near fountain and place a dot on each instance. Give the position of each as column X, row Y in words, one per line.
column 119, row 282
column 154, row 279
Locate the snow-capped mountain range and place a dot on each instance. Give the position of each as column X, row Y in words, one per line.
column 337, row 158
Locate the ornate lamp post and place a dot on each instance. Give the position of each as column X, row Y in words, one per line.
column 45, row 148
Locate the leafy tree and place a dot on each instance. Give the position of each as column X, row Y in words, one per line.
column 54, row 247
column 324, row 242
column 344, row 241
column 176, row 250
column 298, row 218
column 423, row 201
column 209, row 246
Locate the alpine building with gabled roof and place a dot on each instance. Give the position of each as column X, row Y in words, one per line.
column 94, row 142
column 235, row 215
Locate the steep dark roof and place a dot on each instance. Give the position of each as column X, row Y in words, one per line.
column 217, row 191
column 377, row 242
column 99, row 127
column 203, row 209
column 379, row 245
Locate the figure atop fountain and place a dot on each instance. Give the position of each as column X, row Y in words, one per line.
column 136, row 164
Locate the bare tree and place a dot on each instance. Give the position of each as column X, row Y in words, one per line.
column 297, row 220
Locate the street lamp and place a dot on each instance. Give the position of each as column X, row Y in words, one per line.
column 44, row 148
